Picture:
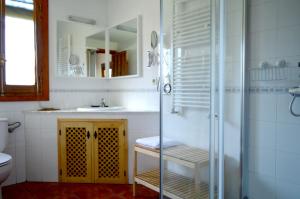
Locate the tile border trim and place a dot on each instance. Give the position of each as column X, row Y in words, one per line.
column 102, row 90
column 227, row 89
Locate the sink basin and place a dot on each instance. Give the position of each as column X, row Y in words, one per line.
column 99, row 109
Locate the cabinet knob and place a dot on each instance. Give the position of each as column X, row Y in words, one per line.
column 88, row 135
column 95, row 134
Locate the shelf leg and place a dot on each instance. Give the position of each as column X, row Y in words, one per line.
column 197, row 178
column 134, row 174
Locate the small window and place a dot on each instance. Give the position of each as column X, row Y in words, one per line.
column 24, row 50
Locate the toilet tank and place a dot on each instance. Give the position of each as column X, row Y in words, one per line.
column 3, row 133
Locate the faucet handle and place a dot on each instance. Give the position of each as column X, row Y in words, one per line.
column 103, row 104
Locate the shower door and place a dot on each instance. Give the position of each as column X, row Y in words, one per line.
column 202, row 88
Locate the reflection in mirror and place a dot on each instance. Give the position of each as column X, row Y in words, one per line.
column 95, row 55
column 71, row 48
column 123, row 49
column 81, row 50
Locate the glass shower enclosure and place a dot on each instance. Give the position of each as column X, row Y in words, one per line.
column 202, row 98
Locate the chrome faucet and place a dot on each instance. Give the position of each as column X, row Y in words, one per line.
column 102, row 103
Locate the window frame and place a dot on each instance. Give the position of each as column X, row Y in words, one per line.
column 39, row 91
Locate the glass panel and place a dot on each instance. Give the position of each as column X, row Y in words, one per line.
column 186, row 67
column 232, row 83
column 19, row 43
column 190, row 46
column 233, row 99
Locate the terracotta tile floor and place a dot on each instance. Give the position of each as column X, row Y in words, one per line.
column 30, row 190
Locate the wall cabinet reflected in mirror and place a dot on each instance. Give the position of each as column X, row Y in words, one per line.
column 85, row 51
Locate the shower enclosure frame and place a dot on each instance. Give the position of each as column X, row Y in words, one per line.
column 244, row 103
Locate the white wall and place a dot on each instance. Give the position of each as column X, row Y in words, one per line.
column 121, row 11
column 14, row 110
column 73, row 92
column 16, row 145
column 273, row 147
column 134, row 92
column 60, row 10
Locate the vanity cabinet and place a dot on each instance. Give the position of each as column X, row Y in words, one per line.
column 110, row 151
column 92, row 151
column 75, row 151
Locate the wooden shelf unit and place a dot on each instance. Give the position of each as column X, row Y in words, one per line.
column 175, row 186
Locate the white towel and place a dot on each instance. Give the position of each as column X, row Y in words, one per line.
column 153, row 142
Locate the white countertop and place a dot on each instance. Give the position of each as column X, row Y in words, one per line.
column 121, row 111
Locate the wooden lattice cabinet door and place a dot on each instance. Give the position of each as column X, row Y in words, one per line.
column 75, row 151
column 110, row 151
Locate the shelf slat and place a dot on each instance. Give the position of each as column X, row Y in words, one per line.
column 187, row 153
column 181, row 154
column 175, row 186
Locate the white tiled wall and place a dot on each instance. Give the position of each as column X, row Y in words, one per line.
column 41, row 143
column 138, row 99
column 273, row 145
column 274, row 29
column 274, row 152
column 74, row 92
column 16, row 143
column 14, row 111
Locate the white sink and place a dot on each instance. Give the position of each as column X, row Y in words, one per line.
column 99, row 109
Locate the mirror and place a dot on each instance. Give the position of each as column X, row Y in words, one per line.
column 123, row 49
column 71, row 48
column 95, row 55
column 86, row 51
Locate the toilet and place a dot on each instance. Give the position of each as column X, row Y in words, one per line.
column 5, row 159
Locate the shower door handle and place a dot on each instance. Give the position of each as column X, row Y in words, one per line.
column 167, row 88
column 158, row 84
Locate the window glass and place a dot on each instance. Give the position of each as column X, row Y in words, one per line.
column 19, row 43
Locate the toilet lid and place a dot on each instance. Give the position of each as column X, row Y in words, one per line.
column 4, row 159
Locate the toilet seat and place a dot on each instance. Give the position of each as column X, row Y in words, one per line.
column 4, row 159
